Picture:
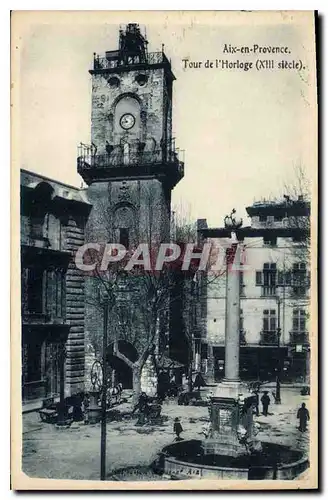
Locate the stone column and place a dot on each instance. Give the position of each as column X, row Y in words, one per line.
column 231, row 408
column 231, row 372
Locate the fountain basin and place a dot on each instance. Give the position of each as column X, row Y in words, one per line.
column 186, row 460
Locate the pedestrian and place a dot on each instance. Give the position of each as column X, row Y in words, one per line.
column 256, row 402
column 163, row 385
column 177, row 429
column 265, row 400
column 199, row 381
column 304, row 416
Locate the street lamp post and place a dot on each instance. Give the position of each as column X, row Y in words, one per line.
column 104, row 396
column 278, row 397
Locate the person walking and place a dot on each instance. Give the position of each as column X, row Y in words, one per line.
column 199, row 381
column 265, row 400
column 257, row 402
column 177, row 429
column 304, row 416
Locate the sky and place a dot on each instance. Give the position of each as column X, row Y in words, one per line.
column 243, row 132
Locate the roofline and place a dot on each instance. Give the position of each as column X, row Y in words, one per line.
column 51, row 180
column 249, row 232
column 302, row 207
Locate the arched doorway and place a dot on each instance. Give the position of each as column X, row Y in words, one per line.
column 123, row 373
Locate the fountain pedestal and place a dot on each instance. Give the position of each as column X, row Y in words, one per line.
column 231, row 418
column 231, row 407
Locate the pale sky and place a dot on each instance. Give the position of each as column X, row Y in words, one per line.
column 242, row 132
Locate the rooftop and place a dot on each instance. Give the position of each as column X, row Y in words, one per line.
column 31, row 180
column 287, row 206
column 132, row 53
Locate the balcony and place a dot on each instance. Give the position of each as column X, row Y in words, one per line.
column 40, row 319
column 269, row 291
column 133, row 163
column 268, row 338
column 297, row 337
column 114, row 60
column 299, row 292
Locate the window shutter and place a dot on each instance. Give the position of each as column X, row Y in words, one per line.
column 272, row 323
column 280, row 278
column 258, row 278
column 288, row 278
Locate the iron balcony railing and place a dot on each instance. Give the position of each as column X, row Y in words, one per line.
column 86, row 160
column 268, row 337
column 269, row 291
column 40, row 318
column 115, row 60
column 299, row 337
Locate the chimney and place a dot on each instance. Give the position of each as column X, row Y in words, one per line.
column 201, row 224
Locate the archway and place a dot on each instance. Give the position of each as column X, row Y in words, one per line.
column 123, row 373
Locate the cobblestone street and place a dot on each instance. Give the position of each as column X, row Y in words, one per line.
column 74, row 453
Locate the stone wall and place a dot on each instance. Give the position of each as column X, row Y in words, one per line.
column 75, row 307
column 144, row 101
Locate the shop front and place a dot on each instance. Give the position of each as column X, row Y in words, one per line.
column 256, row 363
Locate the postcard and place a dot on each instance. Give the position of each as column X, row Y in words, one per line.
column 164, row 245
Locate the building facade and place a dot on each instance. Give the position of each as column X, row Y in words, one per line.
column 53, row 217
column 274, row 295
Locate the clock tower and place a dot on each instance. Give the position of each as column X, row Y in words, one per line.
column 132, row 156
column 132, row 164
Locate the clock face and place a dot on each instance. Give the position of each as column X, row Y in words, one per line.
column 127, row 121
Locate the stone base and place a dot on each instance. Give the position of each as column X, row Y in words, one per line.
column 231, row 389
column 229, row 447
column 231, row 419
column 173, row 462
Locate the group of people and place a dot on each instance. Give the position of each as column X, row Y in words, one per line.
column 265, row 400
column 166, row 384
column 303, row 414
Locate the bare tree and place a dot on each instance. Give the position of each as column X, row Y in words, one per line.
column 297, row 199
column 139, row 297
column 184, row 228
column 143, row 315
column 194, row 283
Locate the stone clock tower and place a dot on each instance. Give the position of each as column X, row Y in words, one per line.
column 131, row 165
